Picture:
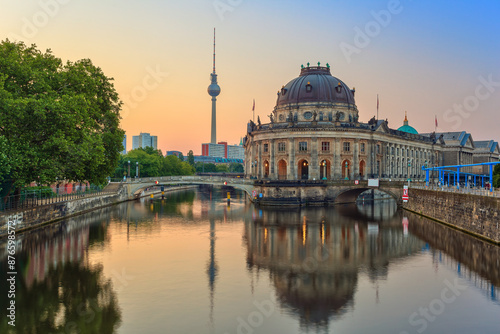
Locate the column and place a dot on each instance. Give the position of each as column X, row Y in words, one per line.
column 355, row 160
column 291, row 160
column 314, row 163
column 337, row 168
column 259, row 160
column 272, row 171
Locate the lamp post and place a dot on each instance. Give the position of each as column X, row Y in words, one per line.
column 128, row 175
column 346, row 171
column 409, row 165
column 137, row 169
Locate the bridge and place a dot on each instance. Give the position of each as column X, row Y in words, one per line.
column 274, row 192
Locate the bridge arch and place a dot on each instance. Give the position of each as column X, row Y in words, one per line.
column 351, row 195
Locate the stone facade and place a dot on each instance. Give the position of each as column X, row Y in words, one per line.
column 479, row 215
column 314, row 134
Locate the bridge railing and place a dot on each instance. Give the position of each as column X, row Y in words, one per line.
column 189, row 178
column 33, row 198
column 463, row 190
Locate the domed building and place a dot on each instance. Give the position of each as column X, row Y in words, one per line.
column 314, row 133
column 406, row 127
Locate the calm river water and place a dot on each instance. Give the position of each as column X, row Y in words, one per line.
column 192, row 264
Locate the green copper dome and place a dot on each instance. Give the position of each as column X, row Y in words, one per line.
column 407, row 128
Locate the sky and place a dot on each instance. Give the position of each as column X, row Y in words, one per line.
column 434, row 59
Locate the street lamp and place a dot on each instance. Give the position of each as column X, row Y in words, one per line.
column 137, row 169
column 346, row 171
column 128, row 175
column 409, row 165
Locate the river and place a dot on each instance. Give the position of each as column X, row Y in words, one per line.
column 191, row 263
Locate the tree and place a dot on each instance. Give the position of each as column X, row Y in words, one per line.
column 496, row 176
column 205, row 168
column 222, row 169
column 235, row 167
column 58, row 121
column 152, row 163
column 181, row 157
column 190, row 159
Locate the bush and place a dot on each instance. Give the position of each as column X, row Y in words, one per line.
column 37, row 192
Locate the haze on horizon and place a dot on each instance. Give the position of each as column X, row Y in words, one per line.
column 427, row 58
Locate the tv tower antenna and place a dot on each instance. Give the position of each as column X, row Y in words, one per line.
column 214, row 91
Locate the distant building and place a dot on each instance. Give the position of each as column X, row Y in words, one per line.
column 223, row 150
column 144, row 140
column 124, row 144
column 215, row 160
column 176, row 153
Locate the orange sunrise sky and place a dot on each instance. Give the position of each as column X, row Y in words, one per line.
column 430, row 58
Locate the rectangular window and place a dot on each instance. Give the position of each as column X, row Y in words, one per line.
column 347, row 146
column 325, row 146
column 303, row 146
column 362, row 147
column 266, row 147
column 281, row 147
column 378, row 149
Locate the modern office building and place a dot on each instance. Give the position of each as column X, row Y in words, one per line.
column 144, row 140
column 124, row 143
column 223, row 150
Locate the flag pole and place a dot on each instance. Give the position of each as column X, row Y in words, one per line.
column 253, row 110
column 377, row 107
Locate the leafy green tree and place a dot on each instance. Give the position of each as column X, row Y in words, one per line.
column 235, row 167
column 151, row 151
column 222, row 169
column 152, row 163
column 181, row 157
column 496, row 176
column 58, row 121
column 149, row 164
column 205, row 168
column 190, row 159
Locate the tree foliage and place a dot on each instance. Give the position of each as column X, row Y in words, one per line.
column 496, row 177
column 151, row 163
column 235, row 167
column 57, row 121
column 190, row 158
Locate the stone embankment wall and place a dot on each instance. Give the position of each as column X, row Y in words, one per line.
column 44, row 214
column 478, row 215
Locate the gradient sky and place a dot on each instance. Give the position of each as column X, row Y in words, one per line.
column 428, row 58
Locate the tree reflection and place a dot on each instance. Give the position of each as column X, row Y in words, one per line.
column 72, row 299
column 57, row 291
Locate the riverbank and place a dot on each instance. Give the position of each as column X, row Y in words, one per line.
column 27, row 219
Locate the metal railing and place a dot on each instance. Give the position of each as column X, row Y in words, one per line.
column 463, row 190
column 36, row 197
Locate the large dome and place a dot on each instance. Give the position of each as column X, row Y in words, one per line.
column 316, row 84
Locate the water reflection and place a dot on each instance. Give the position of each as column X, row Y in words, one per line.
column 57, row 290
column 321, row 262
column 473, row 259
column 314, row 256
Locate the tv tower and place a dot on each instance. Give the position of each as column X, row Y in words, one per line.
column 214, row 91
